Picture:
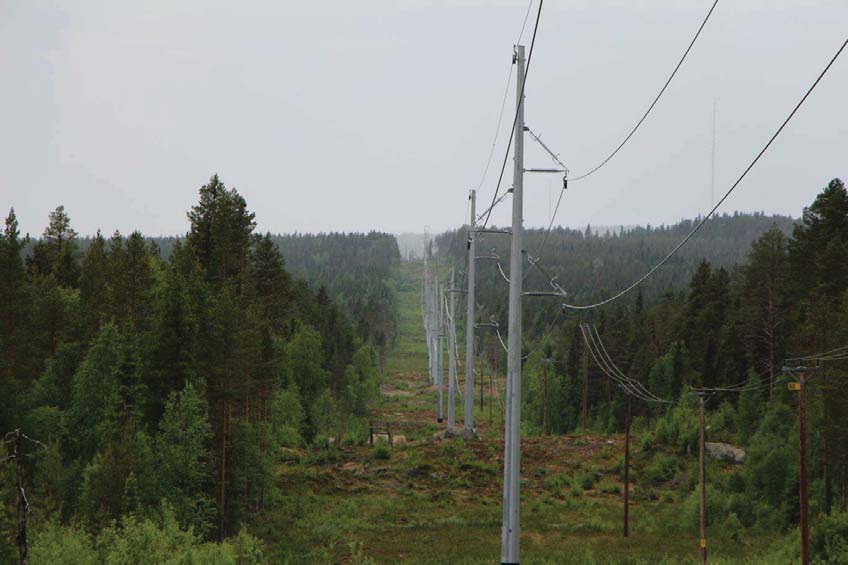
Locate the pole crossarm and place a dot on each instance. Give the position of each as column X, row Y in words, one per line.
column 543, row 293
column 504, row 231
column 554, row 156
column 801, row 369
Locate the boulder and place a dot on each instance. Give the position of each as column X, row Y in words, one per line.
column 725, row 452
column 397, row 439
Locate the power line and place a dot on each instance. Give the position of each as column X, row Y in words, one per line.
column 654, row 103
column 556, row 159
column 634, row 382
column 548, row 231
column 626, row 139
column 497, row 129
column 515, row 118
column 524, row 24
column 626, row 384
column 503, row 105
column 816, row 356
column 727, row 194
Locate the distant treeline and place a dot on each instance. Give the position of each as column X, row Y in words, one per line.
column 591, row 266
column 357, row 270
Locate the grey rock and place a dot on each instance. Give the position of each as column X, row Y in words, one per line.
column 725, row 452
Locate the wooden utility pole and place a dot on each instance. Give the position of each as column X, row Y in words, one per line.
column 585, row 386
column 801, row 388
column 702, row 478
column 802, row 454
column 627, row 469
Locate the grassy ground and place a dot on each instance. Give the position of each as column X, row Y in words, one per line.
column 440, row 501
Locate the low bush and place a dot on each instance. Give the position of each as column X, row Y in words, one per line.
column 381, row 453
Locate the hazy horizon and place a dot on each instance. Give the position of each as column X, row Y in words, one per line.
column 378, row 115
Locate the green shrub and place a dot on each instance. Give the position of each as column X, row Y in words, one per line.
column 663, row 468
column 721, row 423
column 829, row 538
column 137, row 540
column 679, row 427
column 381, row 453
column 326, row 453
column 606, row 486
column 555, row 483
column 356, row 432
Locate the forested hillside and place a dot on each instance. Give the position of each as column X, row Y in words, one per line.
column 731, row 330
column 356, row 270
column 156, row 394
column 591, row 266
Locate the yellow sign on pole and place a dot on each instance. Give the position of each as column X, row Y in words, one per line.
column 794, row 386
column 703, row 543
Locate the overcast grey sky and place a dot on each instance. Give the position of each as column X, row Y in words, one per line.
column 379, row 114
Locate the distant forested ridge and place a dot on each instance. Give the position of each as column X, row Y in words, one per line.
column 163, row 389
column 745, row 297
column 357, row 270
column 591, row 266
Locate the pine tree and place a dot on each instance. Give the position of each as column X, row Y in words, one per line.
column 184, row 460
column 94, row 285
column 12, row 295
column 221, row 232
column 56, row 252
column 765, row 307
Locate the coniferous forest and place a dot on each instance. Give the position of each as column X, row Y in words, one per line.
column 157, row 392
column 764, row 293
column 214, row 403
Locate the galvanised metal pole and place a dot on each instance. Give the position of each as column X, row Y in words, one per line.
column 469, row 320
column 440, row 332
column 512, row 433
column 427, row 328
column 452, row 352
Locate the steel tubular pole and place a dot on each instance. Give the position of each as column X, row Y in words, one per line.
column 471, row 272
column 440, row 329
column 451, row 324
column 512, row 435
